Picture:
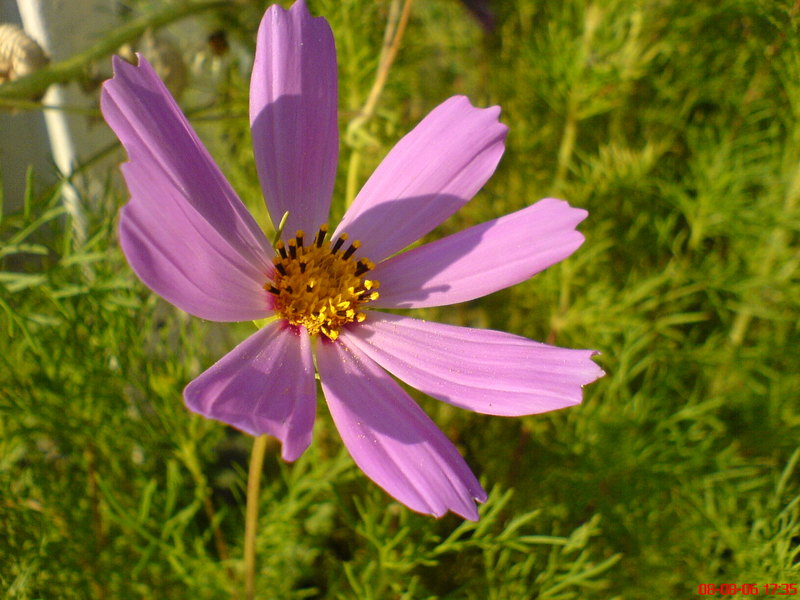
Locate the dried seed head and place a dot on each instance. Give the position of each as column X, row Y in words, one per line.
column 19, row 53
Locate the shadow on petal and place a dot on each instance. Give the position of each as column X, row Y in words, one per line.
column 295, row 166
column 264, row 385
column 391, row 439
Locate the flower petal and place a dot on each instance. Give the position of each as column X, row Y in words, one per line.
column 482, row 259
column 391, row 439
column 185, row 232
column 431, row 173
column 181, row 257
column 486, row 371
column 293, row 114
column 264, row 385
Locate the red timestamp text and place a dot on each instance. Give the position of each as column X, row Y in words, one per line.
column 747, row 589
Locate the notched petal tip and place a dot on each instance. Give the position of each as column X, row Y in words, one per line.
column 463, row 103
column 577, row 214
column 301, row 7
column 481, row 259
column 430, row 173
column 121, row 66
column 598, row 373
column 391, row 439
column 490, row 372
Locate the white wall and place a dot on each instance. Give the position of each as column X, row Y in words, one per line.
column 57, row 140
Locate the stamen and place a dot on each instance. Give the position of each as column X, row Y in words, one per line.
column 316, row 287
column 362, row 266
column 323, row 230
column 353, row 247
column 342, row 239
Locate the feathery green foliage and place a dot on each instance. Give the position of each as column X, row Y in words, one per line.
column 676, row 124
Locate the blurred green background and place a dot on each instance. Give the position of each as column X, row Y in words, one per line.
column 676, row 124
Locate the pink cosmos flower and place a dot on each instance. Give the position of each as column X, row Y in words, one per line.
column 190, row 239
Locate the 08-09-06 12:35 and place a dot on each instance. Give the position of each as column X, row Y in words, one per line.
column 747, row 589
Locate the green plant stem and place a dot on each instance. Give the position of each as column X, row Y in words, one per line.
column 188, row 455
column 574, row 101
column 395, row 28
column 35, row 84
column 251, row 515
column 391, row 44
column 567, row 146
column 775, row 245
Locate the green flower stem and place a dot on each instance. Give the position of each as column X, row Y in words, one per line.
column 575, row 101
column 251, row 515
column 395, row 28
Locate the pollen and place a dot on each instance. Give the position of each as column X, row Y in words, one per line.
column 320, row 284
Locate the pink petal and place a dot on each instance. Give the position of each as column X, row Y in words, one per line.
column 264, row 385
column 431, row 173
column 293, row 114
column 391, row 439
column 185, row 232
column 486, row 371
column 482, row 259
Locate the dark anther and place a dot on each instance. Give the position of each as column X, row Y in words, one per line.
column 302, row 267
column 349, row 252
column 361, row 268
column 289, row 289
column 309, row 288
column 280, row 269
column 292, row 250
column 338, row 244
column 281, row 250
column 321, row 235
column 299, row 237
column 273, row 290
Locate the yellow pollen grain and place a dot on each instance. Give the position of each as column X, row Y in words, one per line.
column 317, row 286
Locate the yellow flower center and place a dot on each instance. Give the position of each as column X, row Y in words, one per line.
column 320, row 286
